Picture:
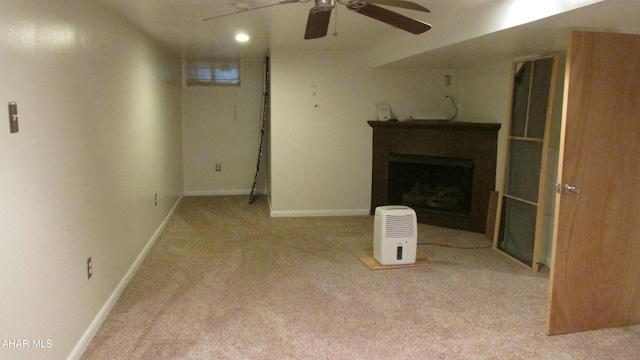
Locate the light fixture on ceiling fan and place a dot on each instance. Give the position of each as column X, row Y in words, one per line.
column 320, row 14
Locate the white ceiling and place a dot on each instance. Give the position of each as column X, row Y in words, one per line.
column 461, row 34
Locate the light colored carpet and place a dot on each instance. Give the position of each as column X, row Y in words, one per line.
column 369, row 261
column 225, row 281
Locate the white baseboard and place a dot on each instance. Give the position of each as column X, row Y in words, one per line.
column 84, row 341
column 217, row 192
column 314, row 213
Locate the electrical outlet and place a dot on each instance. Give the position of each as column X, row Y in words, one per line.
column 155, row 199
column 218, row 167
column 89, row 268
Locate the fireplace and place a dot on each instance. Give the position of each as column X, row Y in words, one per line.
column 444, row 170
column 429, row 183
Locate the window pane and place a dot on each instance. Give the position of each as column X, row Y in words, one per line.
column 521, row 88
column 523, row 169
column 212, row 72
column 517, row 229
column 227, row 76
column 539, row 97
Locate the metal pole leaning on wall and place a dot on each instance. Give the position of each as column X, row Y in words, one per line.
column 265, row 118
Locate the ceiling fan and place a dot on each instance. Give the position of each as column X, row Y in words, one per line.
column 320, row 14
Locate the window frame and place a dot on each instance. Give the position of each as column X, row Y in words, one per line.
column 212, row 85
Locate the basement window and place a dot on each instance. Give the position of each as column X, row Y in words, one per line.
column 212, row 72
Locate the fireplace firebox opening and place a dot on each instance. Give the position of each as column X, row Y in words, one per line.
column 431, row 184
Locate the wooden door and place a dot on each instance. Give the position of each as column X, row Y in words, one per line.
column 595, row 272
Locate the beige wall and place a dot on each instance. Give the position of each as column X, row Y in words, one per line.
column 222, row 125
column 320, row 139
column 483, row 96
column 322, row 154
column 100, row 135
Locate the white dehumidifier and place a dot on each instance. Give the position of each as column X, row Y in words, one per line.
column 395, row 235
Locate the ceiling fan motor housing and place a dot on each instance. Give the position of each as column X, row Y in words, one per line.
column 325, row 5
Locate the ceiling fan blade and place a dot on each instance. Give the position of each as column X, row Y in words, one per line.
column 317, row 24
column 400, row 4
column 392, row 18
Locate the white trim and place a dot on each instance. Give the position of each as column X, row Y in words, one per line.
column 93, row 328
column 317, row 213
column 217, row 192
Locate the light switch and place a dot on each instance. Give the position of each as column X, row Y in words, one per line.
column 13, row 117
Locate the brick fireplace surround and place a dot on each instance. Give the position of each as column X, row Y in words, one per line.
column 439, row 138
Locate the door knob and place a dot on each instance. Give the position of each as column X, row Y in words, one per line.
column 569, row 189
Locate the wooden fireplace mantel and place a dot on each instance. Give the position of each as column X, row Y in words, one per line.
column 465, row 140
column 434, row 124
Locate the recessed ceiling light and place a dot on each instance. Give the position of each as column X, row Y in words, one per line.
column 242, row 37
